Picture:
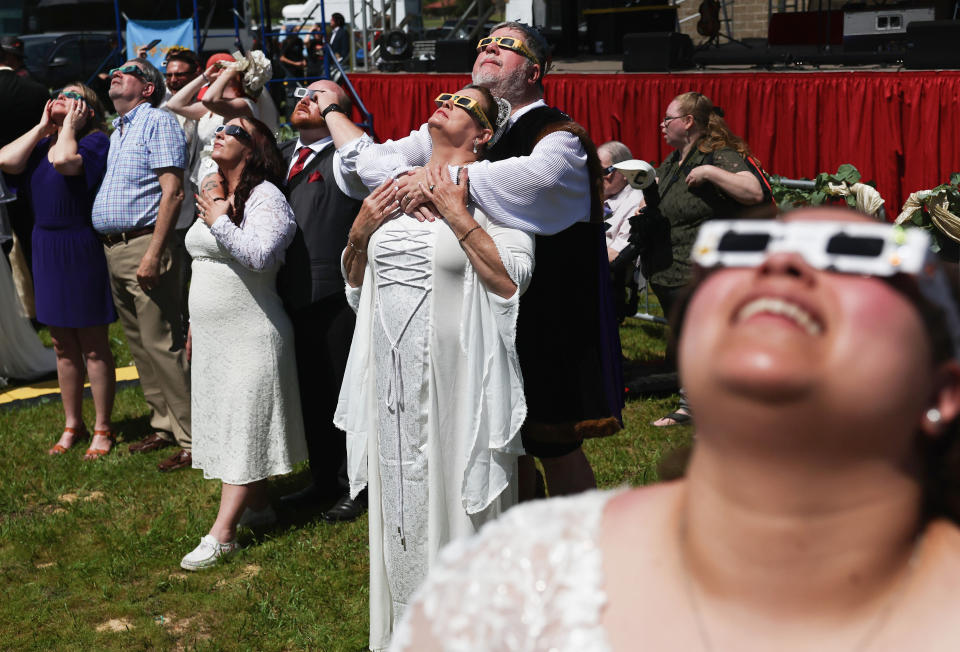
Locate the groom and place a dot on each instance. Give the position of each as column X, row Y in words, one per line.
column 325, row 200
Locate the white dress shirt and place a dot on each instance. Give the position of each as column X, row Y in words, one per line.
column 543, row 193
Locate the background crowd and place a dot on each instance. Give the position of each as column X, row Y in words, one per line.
column 385, row 311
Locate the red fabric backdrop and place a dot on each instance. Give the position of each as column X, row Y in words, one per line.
column 900, row 129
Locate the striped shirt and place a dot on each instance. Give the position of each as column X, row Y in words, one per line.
column 144, row 140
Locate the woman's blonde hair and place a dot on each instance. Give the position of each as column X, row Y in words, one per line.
column 97, row 122
column 716, row 132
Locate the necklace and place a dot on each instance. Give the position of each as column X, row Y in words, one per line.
column 876, row 625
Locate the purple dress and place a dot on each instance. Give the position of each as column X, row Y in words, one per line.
column 70, row 278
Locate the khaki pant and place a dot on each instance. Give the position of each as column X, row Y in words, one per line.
column 155, row 332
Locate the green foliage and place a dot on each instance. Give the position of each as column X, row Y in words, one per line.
column 790, row 198
column 949, row 194
column 90, row 552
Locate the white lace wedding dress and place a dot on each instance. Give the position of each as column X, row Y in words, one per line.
column 530, row 581
column 432, row 400
column 245, row 403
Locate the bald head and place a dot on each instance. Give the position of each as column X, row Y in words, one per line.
column 343, row 100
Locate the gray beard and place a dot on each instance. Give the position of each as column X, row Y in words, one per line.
column 510, row 87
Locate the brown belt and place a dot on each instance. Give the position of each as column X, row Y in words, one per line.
column 111, row 239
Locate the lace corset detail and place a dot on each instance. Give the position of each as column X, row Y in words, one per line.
column 532, row 580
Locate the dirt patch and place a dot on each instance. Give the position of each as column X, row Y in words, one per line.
column 187, row 630
column 247, row 572
column 46, row 564
column 94, row 495
column 68, row 498
column 115, row 625
column 180, row 577
column 72, row 498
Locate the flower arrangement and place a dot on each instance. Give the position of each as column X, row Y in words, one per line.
column 844, row 186
column 257, row 71
column 936, row 210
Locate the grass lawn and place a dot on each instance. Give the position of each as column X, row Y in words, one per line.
column 90, row 552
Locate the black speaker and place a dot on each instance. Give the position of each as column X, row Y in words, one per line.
column 657, row 52
column 456, row 55
column 932, row 44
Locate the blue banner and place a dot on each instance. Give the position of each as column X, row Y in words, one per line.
column 170, row 32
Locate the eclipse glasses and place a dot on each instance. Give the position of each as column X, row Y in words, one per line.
column 508, row 43
column 235, row 131
column 468, row 104
column 881, row 250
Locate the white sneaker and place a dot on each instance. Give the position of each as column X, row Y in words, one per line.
column 207, row 553
column 262, row 518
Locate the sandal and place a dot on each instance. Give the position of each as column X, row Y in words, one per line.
column 97, row 453
column 679, row 419
column 79, row 434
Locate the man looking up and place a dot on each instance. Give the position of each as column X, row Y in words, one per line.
column 325, row 195
column 536, row 178
column 135, row 213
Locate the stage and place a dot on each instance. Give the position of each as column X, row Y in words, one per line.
column 899, row 128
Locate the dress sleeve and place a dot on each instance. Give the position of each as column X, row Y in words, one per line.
column 729, row 160
column 545, row 192
column 93, row 149
column 377, row 163
column 516, row 250
column 530, row 580
column 268, row 228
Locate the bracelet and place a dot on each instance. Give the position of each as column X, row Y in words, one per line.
column 460, row 240
column 355, row 247
column 204, row 75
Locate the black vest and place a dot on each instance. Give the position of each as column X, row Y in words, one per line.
column 324, row 216
column 567, row 337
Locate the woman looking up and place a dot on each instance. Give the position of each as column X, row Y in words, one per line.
column 245, row 401
column 819, row 510
column 63, row 160
column 432, row 399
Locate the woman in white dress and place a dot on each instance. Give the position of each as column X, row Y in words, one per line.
column 245, row 403
column 432, row 398
column 820, row 506
column 223, row 92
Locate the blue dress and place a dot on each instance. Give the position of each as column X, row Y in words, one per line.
column 70, row 277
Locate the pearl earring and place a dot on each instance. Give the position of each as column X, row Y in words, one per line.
column 933, row 415
column 475, row 146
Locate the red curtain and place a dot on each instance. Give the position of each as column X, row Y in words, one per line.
column 900, row 129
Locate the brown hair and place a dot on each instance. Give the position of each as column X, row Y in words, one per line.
column 709, row 118
column 265, row 164
column 490, row 109
column 97, row 122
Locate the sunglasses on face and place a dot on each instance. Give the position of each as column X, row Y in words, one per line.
column 69, row 95
column 468, row 104
column 129, row 70
column 235, row 131
column 879, row 250
column 607, row 171
column 508, row 43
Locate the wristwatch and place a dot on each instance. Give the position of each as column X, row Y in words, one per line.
column 332, row 107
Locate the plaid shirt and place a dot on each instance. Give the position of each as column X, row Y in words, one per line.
column 144, row 140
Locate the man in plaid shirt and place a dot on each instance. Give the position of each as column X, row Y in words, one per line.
column 135, row 214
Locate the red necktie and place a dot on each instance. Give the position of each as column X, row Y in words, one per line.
column 298, row 166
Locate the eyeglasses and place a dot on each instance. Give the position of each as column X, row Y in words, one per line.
column 508, row 43
column 607, row 171
column 235, row 131
column 667, row 118
column 880, row 250
column 129, row 70
column 468, row 104
column 70, row 95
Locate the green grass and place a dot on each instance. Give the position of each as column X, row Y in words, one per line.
column 89, row 552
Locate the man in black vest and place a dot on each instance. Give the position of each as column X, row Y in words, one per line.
column 325, row 201
column 538, row 178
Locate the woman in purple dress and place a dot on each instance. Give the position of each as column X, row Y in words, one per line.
column 62, row 161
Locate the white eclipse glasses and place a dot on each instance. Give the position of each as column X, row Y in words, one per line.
column 868, row 249
column 301, row 92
